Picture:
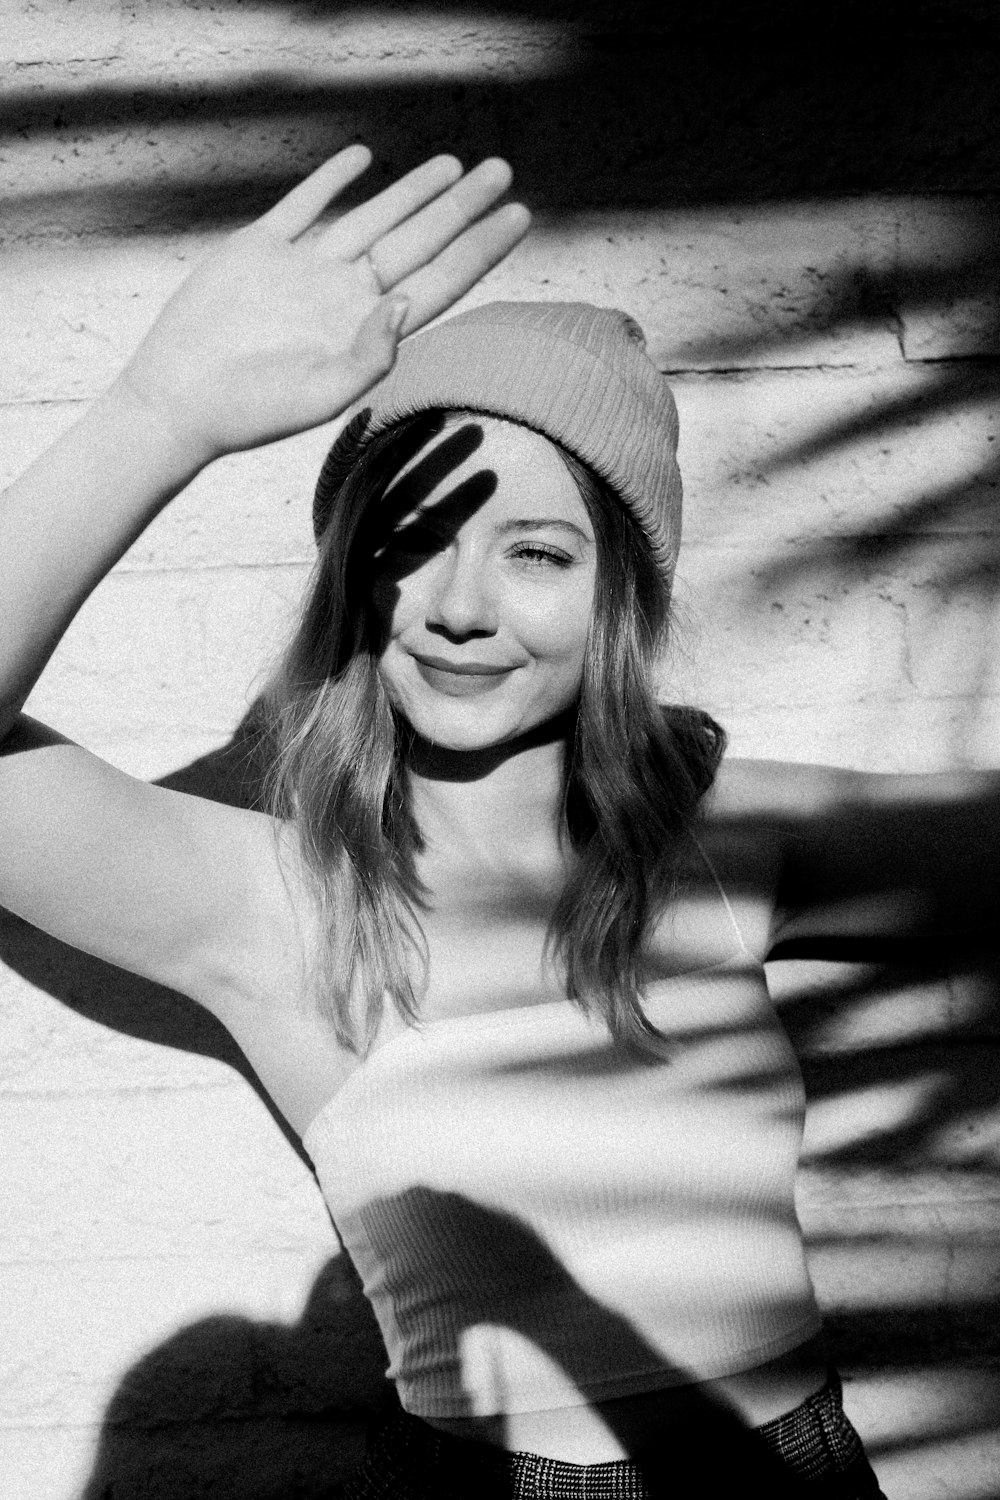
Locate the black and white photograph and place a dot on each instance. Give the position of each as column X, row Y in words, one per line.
column 499, row 750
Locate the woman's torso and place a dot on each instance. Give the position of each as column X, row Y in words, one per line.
column 486, row 937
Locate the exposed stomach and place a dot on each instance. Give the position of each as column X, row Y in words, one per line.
column 627, row 1425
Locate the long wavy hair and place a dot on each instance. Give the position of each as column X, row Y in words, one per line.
column 635, row 770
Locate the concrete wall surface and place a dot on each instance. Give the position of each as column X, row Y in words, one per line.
column 806, row 228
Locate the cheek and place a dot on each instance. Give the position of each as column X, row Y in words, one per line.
column 402, row 594
column 558, row 628
column 393, row 603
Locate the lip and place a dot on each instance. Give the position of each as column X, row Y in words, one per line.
column 460, row 679
column 462, row 668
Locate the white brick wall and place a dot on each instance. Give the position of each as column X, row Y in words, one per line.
column 160, row 1230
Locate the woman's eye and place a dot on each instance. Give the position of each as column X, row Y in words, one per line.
column 534, row 552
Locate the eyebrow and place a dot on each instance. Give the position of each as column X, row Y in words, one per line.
column 532, row 523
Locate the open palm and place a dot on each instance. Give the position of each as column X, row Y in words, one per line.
column 279, row 330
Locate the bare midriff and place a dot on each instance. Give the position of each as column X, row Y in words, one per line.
column 619, row 1428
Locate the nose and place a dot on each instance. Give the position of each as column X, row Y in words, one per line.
column 461, row 604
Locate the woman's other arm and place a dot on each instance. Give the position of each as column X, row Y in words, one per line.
column 278, row 331
column 856, row 861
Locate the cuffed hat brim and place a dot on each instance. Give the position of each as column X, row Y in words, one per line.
column 575, row 373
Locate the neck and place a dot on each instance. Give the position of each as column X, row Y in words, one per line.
column 484, row 801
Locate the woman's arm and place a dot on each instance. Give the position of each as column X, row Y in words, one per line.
column 854, row 862
column 278, row 331
column 273, row 334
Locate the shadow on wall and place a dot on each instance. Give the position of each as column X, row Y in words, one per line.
column 245, row 1410
column 961, row 372
column 672, row 116
column 240, row 1448
column 262, row 1410
column 637, row 103
column 124, row 1002
column 900, row 495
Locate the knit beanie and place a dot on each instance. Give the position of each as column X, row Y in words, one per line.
column 573, row 372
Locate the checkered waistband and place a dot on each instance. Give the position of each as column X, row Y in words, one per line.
column 810, row 1453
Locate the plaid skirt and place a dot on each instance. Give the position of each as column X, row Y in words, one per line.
column 810, row 1453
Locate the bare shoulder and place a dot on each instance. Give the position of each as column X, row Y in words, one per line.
column 851, row 856
column 794, row 792
column 203, row 897
column 773, row 792
column 269, row 916
column 753, row 811
column 745, row 815
column 260, row 918
column 736, row 834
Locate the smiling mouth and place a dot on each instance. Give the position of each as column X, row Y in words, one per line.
column 460, row 679
column 463, row 668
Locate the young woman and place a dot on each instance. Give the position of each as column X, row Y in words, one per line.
column 495, row 949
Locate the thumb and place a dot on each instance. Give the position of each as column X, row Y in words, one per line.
column 374, row 347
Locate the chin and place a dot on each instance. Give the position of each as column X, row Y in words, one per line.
column 455, row 736
column 477, row 725
column 470, row 737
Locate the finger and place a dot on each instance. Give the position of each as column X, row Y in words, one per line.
column 374, row 347
column 460, row 265
column 422, row 237
column 297, row 210
column 358, row 230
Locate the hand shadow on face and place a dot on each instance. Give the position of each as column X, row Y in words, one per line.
column 401, row 532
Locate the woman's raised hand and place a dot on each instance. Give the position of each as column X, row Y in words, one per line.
column 279, row 330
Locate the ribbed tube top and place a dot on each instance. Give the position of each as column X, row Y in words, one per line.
column 541, row 1218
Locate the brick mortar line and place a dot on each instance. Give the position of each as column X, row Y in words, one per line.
column 859, row 1208
column 356, row 1414
column 880, row 1050
column 857, row 1374
column 138, row 1090
column 733, row 372
column 694, row 373
column 816, row 1237
column 972, row 699
column 808, row 539
column 139, row 570
column 297, row 62
column 195, row 1258
column 815, row 1241
column 827, row 367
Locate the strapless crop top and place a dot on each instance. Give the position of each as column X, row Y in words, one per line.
column 541, row 1218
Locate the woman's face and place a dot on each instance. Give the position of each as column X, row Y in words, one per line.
column 484, row 585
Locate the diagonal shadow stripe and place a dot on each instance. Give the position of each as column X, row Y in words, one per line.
column 632, row 123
